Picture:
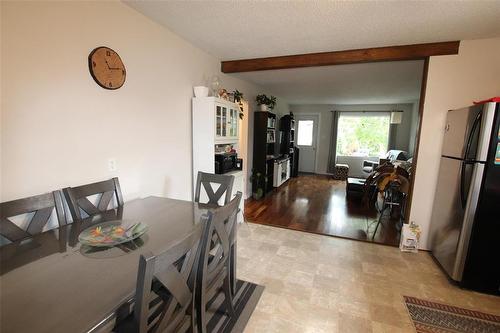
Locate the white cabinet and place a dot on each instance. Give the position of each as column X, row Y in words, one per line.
column 215, row 121
column 281, row 172
column 237, row 187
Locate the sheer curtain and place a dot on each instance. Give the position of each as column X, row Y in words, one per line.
column 393, row 131
column 332, row 157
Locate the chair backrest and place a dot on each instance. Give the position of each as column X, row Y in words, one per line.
column 77, row 197
column 41, row 205
column 207, row 179
column 165, row 286
column 216, row 243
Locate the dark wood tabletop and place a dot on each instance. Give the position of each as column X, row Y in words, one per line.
column 51, row 283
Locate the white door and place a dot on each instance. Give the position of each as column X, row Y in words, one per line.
column 307, row 129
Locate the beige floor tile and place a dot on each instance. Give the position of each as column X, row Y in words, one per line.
column 385, row 328
column 268, row 302
column 325, row 284
column 359, row 309
column 273, row 285
column 298, row 291
column 386, row 314
column 374, row 269
column 353, row 324
column 301, row 278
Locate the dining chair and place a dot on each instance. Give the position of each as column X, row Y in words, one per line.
column 77, row 198
column 225, row 183
column 214, row 271
column 164, row 299
column 41, row 205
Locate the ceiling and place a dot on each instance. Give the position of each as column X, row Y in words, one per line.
column 248, row 29
column 370, row 83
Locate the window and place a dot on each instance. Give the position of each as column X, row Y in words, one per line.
column 363, row 135
column 305, row 132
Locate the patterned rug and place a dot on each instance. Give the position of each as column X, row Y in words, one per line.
column 431, row 317
column 245, row 300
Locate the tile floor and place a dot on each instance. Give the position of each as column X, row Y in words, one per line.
column 320, row 284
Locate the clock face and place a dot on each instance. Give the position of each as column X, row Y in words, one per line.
column 107, row 68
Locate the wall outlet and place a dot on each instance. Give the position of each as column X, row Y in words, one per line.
column 112, row 164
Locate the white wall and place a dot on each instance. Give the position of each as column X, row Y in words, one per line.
column 325, row 128
column 453, row 82
column 58, row 127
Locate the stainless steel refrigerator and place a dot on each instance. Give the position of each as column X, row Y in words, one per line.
column 465, row 224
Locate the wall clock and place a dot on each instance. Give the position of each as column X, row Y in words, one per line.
column 106, row 67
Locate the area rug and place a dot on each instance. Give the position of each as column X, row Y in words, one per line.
column 245, row 300
column 431, row 317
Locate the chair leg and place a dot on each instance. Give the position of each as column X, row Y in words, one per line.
column 378, row 222
column 200, row 309
column 232, row 270
column 228, row 298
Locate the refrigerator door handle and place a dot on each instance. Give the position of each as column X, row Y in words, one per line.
column 463, row 195
column 463, row 198
column 475, row 125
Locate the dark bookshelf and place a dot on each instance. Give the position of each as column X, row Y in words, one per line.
column 264, row 144
column 287, row 144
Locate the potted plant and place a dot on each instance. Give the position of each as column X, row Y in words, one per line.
column 271, row 103
column 258, row 183
column 266, row 103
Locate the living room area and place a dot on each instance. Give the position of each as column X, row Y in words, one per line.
column 355, row 130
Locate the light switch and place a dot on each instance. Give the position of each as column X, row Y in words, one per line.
column 112, row 164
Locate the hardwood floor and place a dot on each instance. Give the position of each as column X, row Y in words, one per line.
column 317, row 204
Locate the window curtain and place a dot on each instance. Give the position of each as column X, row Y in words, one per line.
column 332, row 158
column 393, row 131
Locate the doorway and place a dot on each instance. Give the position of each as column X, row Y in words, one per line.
column 343, row 135
column 307, row 138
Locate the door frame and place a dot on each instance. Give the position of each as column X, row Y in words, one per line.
column 423, row 88
column 318, row 117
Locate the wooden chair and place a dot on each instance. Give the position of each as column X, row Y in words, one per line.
column 77, row 197
column 42, row 205
column 164, row 300
column 207, row 179
column 214, row 269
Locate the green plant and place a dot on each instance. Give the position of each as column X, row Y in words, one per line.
column 270, row 101
column 238, row 98
column 258, row 182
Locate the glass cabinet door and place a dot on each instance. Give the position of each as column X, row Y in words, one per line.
column 218, row 121
column 226, row 122
column 234, row 122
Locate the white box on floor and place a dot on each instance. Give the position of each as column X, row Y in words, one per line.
column 410, row 235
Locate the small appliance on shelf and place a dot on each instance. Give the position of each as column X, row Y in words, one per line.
column 226, row 162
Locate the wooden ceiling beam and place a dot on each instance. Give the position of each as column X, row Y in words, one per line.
column 389, row 53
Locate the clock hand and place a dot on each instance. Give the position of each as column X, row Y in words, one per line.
column 115, row 68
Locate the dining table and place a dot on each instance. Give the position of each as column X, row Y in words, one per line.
column 50, row 282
